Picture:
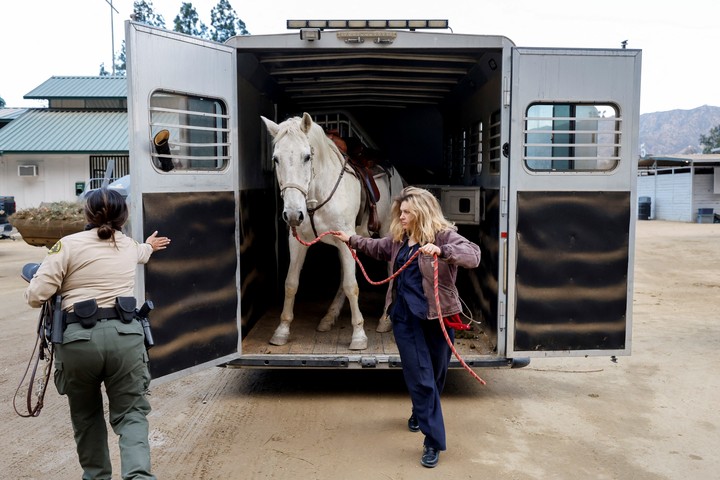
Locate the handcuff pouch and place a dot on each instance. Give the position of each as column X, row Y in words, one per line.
column 125, row 307
column 85, row 312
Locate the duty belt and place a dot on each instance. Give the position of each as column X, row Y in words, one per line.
column 109, row 313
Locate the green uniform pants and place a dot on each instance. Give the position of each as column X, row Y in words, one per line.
column 112, row 353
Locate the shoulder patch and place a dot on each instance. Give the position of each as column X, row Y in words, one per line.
column 55, row 248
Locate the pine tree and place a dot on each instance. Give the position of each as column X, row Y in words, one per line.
column 225, row 22
column 120, row 61
column 189, row 23
column 143, row 12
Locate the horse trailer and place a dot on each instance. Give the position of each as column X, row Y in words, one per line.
column 531, row 152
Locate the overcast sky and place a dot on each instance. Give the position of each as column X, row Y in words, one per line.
column 680, row 40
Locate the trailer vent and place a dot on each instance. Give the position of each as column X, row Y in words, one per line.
column 27, row 170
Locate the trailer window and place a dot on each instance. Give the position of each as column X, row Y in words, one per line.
column 495, row 149
column 198, row 132
column 463, row 153
column 571, row 137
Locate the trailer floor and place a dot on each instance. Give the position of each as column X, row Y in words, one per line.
column 305, row 339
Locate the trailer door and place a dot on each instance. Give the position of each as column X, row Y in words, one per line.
column 183, row 154
column 571, row 201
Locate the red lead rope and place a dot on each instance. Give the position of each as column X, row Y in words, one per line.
column 435, row 282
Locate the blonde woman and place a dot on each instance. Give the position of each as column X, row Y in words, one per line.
column 418, row 224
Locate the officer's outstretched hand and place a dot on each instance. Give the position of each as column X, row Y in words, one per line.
column 157, row 243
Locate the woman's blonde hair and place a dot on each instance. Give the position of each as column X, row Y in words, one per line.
column 429, row 219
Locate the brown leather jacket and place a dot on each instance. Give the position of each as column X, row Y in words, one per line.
column 456, row 251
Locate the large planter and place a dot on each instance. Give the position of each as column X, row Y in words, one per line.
column 46, row 233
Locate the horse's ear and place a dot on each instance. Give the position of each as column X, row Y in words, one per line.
column 306, row 122
column 272, row 127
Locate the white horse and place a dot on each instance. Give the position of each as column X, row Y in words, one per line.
column 321, row 192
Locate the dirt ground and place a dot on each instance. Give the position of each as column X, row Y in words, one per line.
column 652, row 415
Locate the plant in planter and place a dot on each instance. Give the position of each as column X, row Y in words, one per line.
column 43, row 226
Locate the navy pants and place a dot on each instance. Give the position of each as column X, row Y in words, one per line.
column 425, row 356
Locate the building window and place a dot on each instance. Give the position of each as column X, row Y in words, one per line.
column 99, row 166
column 571, row 137
column 194, row 131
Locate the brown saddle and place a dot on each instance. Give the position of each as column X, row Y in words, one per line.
column 365, row 166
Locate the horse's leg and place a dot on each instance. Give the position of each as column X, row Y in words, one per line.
column 327, row 322
column 297, row 257
column 349, row 284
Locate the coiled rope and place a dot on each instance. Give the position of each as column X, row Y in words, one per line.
column 435, row 285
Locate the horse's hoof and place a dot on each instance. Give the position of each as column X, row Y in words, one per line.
column 325, row 324
column 359, row 344
column 278, row 339
column 384, row 324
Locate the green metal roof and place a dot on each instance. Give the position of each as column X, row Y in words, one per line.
column 80, row 87
column 8, row 114
column 66, row 131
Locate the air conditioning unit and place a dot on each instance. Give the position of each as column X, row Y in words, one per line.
column 27, row 170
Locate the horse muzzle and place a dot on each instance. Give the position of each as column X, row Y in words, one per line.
column 293, row 218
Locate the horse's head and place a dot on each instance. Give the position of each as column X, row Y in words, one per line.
column 292, row 158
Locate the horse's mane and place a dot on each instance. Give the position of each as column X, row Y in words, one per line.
column 324, row 147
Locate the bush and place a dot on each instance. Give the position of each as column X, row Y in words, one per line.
column 70, row 211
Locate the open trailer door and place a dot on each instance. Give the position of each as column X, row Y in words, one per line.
column 571, row 222
column 183, row 153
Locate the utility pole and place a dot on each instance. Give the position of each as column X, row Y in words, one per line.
column 112, row 33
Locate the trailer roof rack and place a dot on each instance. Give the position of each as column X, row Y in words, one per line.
column 367, row 24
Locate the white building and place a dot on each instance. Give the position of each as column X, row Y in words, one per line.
column 50, row 154
column 681, row 188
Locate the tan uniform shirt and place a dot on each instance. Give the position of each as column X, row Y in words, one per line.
column 82, row 266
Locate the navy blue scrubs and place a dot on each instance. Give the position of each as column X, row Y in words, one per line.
column 423, row 349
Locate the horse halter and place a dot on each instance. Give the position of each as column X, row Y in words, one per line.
column 311, row 210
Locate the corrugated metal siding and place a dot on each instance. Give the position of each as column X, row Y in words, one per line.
column 670, row 196
column 704, row 195
column 47, row 131
column 80, row 87
column 677, row 197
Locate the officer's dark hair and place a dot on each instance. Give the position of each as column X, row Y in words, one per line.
column 106, row 209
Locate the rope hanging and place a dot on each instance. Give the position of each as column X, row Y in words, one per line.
column 435, row 282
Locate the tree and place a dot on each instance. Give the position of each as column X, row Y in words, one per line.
column 225, row 22
column 103, row 72
column 120, row 62
column 711, row 140
column 188, row 22
column 143, row 12
column 2, row 102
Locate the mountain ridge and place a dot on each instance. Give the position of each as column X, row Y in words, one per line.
column 676, row 131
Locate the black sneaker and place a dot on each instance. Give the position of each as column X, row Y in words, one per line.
column 413, row 424
column 430, row 457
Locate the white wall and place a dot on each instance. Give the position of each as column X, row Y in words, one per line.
column 55, row 181
column 677, row 197
column 670, row 196
column 704, row 195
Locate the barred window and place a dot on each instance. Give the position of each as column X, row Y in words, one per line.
column 571, row 137
column 495, row 150
column 188, row 132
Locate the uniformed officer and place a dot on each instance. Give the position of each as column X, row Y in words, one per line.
column 98, row 347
